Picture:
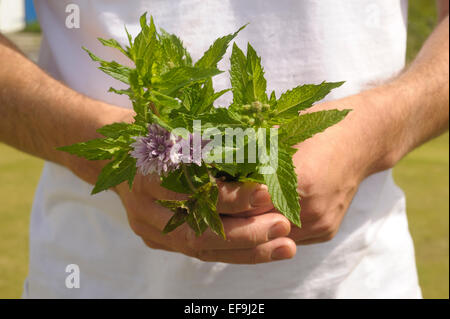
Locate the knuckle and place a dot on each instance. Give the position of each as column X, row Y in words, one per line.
column 318, row 208
column 314, row 214
column 253, row 236
column 326, row 227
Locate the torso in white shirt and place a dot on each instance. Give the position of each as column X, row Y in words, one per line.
column 300, row 41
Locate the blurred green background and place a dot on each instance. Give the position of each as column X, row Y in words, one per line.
column 423, row 175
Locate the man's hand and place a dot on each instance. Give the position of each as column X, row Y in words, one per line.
column 330, row 166
column 386, row 123
column 250, row 240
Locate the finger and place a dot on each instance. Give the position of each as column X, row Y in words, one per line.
column 317, row 231
column 312, row 241
column 240, row 233
column 278, row 249
column 243, row 232
column 306, row 232
column 238, row 197
column 324, row 237
column 151, row 244
column 255, row 212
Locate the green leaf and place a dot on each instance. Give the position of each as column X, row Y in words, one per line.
column 97, row 149
column 247, row 77
column 303, row 97
column 164, row 103
column 253, row 178
column 122, row 168
column 178, row 218
column 114, row 69
column 238, row 75
column 176, row 182
column 128, row 92
column 272, row 100
column 118, row 129
column 196, row 222
column 216, row 51
column 146, row 51
column 130, row 41
column 206, row 206
column 199, row 97
column 179, row 77
column 306, row 125
column 114, row 44
column 221, row 118
column 172, row 204
column 174, row 53
column 258, row 82
column 282, row 185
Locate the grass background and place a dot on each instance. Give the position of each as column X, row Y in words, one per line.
column 423, row 175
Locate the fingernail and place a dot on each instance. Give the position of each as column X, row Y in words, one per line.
column 260, row 198
column 281, row 252
column 277, row 230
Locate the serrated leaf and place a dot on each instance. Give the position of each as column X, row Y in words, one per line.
column 303, row 97
column 130, row 41
column 164, row 103
column 173, row 204
column 115, row 130
column 220, row 118
column 196, row 222
column 257, row 89
column 178, row 218
column 146, row 50
column 128, row 92
column 282, row 186
column 216, row 51
column 206, row 206
column 112, row 43
column 238, row 75
column 179, row 77
column 176, row 182
column 203, row 209
column 306, row 125
column 174, row 53
column 114, row 69
column 121, row 169
column 247, row 77
column 97, row 149
column 272, row 100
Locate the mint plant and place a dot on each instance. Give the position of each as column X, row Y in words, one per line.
column 176, row 123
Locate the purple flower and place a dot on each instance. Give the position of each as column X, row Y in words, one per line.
column 161, row 152
column 153, row 152
column 189, row 150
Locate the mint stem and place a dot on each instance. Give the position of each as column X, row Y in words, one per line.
column 154, row 110
column 188, row 178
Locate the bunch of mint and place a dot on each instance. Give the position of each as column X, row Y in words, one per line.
column 169, row 91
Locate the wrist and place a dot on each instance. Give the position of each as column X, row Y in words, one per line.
column 372, row 133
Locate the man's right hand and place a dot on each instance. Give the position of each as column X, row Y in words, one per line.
column 250, row 240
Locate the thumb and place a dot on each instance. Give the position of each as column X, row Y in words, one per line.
column 238, row 197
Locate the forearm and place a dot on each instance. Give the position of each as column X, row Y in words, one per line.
column 424, row 91
column 38, row 113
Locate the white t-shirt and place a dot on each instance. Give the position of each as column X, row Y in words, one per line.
column 360, row 41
